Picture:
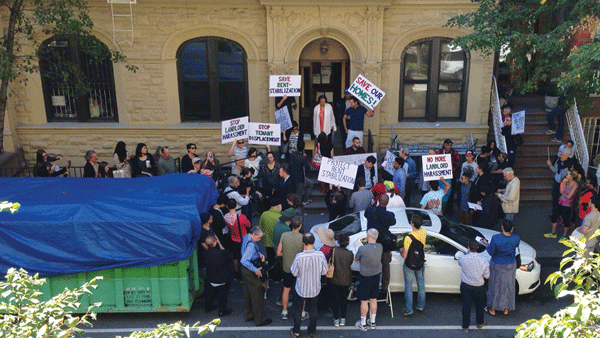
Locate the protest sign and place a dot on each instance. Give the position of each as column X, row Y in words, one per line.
column 366, row 92
column 436, row 166
column 518, row 123
column 337, row 173
column 357, row 159
column 289, row 85
column 388, row 162
column 235, row 129
column 264, row 133
column 282, row 116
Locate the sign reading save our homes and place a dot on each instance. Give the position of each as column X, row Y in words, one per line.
column 436, row 166
column 280, row 85
column 264, row 133
column 366, row 92
column 337, row 173
column 234, row 129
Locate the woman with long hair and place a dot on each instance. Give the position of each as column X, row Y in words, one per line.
column 142, row 164
column 44, row 168
column 269, row 181
column 121, row 159
column 323, row 118
column 568, row 192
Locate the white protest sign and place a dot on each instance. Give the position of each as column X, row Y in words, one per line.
column 436, row 166
column 366, row 92
column 282, row 116
column 518, row 123
column 388, row 162
column 264, row 133
column 234, row 129
column 357, row 159
column 289, row 85
column 337, row 173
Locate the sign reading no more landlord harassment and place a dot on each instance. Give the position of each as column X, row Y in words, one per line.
column 436, row 166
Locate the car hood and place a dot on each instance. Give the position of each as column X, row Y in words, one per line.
column 528, row 253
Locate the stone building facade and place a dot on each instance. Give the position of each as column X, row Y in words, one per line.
column 369, row 37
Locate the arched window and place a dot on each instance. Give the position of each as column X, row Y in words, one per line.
column 433, row 81
column 77, row 86
column 213, row 82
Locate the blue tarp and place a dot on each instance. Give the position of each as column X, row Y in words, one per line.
column 70, row 225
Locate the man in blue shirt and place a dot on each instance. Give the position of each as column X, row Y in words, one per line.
column 356, row 116
column 399, row 175
column 251, row 275
column 411, row 169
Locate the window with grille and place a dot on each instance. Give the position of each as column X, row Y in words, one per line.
column 432, row 82
column 213, row 82
column 77, row 86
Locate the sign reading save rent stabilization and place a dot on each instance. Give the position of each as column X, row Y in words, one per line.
column 366, row 92
column 264, row 133
column 235, row 129
column 436, row 166
column 289, row 85
column 337, row 173
column 282, row 116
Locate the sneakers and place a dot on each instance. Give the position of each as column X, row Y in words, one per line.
column 563, row 238
column 480, row 326
column 307, row 202
column 294, row 334
column 361, row 327
column 336, row 322
column 343, row 322
column 550, row 132
column 284, row 315
column 305, row 315
column 550, row 235
column 406, row 313
column 371, row 324
column 555, row 140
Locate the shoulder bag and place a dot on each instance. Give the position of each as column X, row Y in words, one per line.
column 331, row 268
column 316, row 161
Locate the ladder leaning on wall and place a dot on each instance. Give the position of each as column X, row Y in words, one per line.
column 122, row 18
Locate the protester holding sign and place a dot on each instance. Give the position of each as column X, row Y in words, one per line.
column 355, row 126
column 323, row 118
column 289, row 140
column 511, row 146
column 285, row 101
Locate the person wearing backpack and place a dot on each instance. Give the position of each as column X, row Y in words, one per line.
column 414, row 265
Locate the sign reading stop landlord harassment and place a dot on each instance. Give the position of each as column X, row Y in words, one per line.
column 436, row 166
column 337, row 173
column 235, row 129
column 366, row 92
column 289, row 85
column 264, row 133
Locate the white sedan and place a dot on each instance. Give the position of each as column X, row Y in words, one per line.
column 446, row 241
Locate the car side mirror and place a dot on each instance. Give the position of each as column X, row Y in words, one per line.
column 458, row 254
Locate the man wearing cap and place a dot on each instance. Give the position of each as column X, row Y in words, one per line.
column 196, row 163
column 379, row 218
column 339, row 111
column 267, row 224
column 456, row 170
column 289, row 245
column 354, row 120
column 470, row 162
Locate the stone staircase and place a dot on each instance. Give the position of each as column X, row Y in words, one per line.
column 530, row 165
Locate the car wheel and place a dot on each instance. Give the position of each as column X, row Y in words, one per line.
column 516, row 289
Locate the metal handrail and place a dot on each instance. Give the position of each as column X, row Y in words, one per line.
column 497, row 117
column 576, row 131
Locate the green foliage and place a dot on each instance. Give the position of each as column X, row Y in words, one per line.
column 22, row 314
column 537, row 35
column 578, row 277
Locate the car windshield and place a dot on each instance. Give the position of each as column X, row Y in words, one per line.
column 349, row 224
column 459, row 233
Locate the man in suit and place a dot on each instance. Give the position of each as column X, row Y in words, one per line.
column 298, row 164
column 287, row 187
column 368, row 171
column 219, row 273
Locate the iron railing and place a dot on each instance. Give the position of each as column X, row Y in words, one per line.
column 591, row 134
column 497, row 117
column 576, row 131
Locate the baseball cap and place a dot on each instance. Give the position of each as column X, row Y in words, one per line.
column 469, row 152
column 196, row 160
column 448, row 141
column 346, row 91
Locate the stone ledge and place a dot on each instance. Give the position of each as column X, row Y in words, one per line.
column 119, row 126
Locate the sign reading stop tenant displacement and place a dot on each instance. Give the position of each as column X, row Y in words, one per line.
column 289, row 85
column 436, row 166
column 235, row 129
column 366, row 92
column 264, row 133
column 337, row 173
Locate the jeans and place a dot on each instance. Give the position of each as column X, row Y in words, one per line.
column 509, row 216
column 409, row 277
column 559, row 113
column 511, row 158
column 310, row 306
column 472, row 294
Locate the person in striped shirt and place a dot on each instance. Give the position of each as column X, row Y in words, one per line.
column 308, row 267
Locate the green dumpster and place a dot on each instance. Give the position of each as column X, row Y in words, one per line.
column 170, row 287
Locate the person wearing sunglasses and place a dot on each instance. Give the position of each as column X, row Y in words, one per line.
column 186, row 160
column 237, row 151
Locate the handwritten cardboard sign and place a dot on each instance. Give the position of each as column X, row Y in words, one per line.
column 264, row 133
column 436, row 166
column 289, row 85
column 366, row 92
column 518, row 123
column 337, row 173
column 388, row 162
column 234, row 129
column 282, row 116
